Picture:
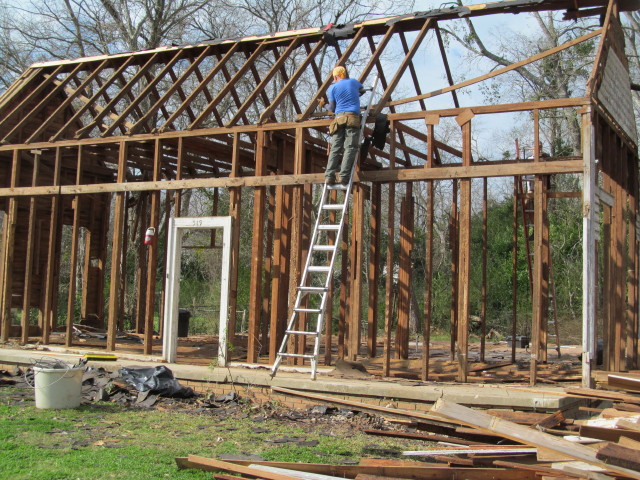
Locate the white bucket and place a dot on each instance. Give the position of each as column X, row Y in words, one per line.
column 58, row 387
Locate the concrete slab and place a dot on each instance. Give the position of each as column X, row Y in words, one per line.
column 512, row 396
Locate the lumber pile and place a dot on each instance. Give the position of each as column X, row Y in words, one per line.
column 485, row 445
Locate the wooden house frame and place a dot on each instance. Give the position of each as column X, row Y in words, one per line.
column 80, row 136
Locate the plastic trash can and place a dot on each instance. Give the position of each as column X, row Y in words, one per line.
column 183, row 322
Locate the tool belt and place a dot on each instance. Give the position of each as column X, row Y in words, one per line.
column 347, row 119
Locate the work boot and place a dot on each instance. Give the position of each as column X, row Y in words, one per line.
column 330, row 181
column 344, row 181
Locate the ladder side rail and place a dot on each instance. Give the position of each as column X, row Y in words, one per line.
column 552, row 286
column 314, row 237
column 525, row 230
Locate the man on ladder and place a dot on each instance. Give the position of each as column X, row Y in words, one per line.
column 312, row 293
column 344, row 101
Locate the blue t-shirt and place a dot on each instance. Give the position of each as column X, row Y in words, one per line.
column 346, row 95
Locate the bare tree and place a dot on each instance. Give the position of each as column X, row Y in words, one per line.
column 632, row 35
column 561, row 75
column 39, row 30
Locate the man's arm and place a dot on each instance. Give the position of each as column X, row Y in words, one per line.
column 331, row 106
column 362, row 90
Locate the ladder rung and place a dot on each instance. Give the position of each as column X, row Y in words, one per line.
column 333, row 206
column 296, row 355
column 313, row 289
column 307, row 310
column 324, row 248
column 299, row 332
column 329, row 227
column 319, row 269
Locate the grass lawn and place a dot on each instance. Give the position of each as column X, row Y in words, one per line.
column 112, row 441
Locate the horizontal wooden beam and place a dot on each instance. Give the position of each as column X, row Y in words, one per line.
column 380, row 176
column 317, row 123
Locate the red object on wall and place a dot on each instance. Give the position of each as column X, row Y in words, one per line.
column 149, row 235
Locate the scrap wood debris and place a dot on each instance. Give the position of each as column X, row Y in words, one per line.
column 490, row 444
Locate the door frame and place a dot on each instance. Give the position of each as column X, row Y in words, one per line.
column 172, row 286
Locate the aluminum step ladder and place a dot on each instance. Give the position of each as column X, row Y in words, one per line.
column 312, row 293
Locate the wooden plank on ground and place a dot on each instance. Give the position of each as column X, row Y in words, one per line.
column 523, row 418
column 293, row 473
column 615, row 413
column 467, row 451
column 213, row 465
column 418, row 436
column 453, row 473
column 552, row 420
column 358, row 405
column 604, row 394
column 380, row 467
column 608, row 434
column 624, row 382
column 620, row 456
column 538, row 469
column 526, row 435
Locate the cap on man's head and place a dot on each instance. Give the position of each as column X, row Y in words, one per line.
column 340, row 71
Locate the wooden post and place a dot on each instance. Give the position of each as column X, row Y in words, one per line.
column 428, row 294
column 404, row 274
column 453, row 241
column 402, row 327
column 142, row 267
column 355, row 287
column 374, row 269
column 116, row 252
column 235, row 202
column 257, row 249
column 163, row 281
column 278, row 268
column 123, row 271
column 5, row 221
column 276, row 330
column 607, row 262
column 268, row 270
column 75, row 233
column 629, row 259
column 619, row 234
column 343, row 349
column 296, row 342
column 85, row 300
column 538, row 292
column 634, row 265
column 11, row 219
column 464, row 252
column 28, row 269
column 514, row 275
column 152, row 259
column 485, row 244
column 52, row 259
column 428, row 269
column 177, row 206
column 285, row 240
column 388, row 297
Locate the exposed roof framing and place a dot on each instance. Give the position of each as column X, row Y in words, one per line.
column 233, row 82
